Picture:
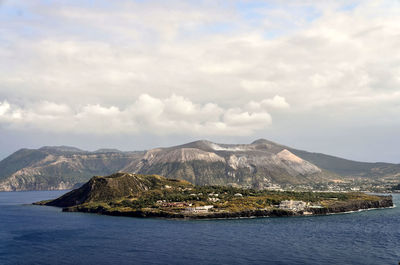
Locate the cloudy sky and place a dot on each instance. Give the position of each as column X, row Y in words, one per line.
column 317, row 75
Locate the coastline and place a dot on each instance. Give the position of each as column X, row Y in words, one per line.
column 364, row 210
column 350, row 207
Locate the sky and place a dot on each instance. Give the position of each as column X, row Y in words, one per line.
column 321, row 76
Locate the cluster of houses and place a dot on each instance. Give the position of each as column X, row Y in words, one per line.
column 298, row 206
column 212, row 197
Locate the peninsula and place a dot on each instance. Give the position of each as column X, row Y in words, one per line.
column 135, row 195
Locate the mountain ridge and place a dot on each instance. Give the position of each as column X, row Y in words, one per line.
column 260, row 164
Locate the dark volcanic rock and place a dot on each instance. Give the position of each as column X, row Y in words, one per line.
column 352, row 206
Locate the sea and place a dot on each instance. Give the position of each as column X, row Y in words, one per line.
column 45, row 235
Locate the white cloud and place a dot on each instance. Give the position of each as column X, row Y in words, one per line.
column 53, row 108
column 93, row 69
column 172, row 115
column 238, row 118
column 257, row 85
column 4, row 108
column 277, row 102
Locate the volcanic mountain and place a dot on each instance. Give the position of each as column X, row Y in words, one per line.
column 260, row 164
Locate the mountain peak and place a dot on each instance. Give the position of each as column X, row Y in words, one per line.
column 61, row 148
column 263, row 141
column 204, row 145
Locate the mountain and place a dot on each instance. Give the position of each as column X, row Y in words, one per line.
column 261, row 164
column 52, row 168
column 345, row 167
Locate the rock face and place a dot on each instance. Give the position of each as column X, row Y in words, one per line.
column 259, row 165
column 352, row 206
column 250, row 165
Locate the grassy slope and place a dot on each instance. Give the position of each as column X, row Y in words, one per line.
column 127, row 192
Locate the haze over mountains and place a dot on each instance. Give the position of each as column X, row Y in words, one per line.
column 261, row 164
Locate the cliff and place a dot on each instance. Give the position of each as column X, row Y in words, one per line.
column 354, row 205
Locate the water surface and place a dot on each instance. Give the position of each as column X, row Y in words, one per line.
column 45, row 235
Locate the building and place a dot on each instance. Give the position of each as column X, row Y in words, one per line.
column 293, row 205
column 199, row 209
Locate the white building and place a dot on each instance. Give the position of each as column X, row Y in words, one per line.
column 199, row 209
column 293, row 205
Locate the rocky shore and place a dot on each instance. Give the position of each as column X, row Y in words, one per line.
column 352, row 206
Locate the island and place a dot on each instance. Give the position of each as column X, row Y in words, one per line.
column 136, row 195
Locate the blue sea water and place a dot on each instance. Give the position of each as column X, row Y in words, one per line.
column 45, row 235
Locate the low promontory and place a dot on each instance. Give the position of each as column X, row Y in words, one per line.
column 134, row 195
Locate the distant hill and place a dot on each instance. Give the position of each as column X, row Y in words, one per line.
column 261, row 164
column 53, row 168
column 345, row 167
column 61, row 149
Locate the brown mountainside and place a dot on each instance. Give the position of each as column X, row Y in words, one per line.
column 261, row 164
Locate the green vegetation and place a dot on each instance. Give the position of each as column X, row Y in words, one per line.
column 124, row 193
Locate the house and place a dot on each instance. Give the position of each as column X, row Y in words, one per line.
column 238, row 195
column 292, row 205
column 199, row 209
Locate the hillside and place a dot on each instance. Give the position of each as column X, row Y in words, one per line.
column 345, row 167
column 52, row 168
column 261, row 164
column 134, row 195
column 115, row 186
